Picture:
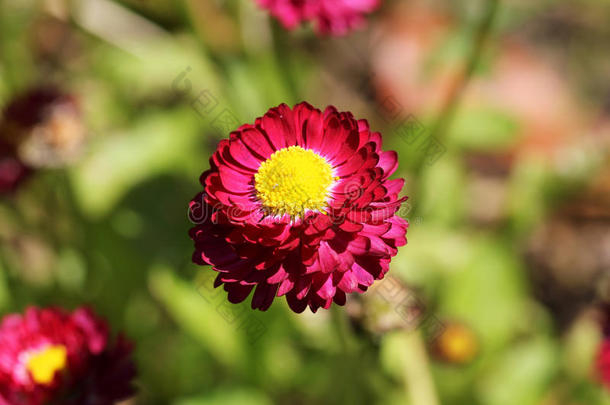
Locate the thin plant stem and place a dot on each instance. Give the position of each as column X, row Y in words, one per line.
column 481, row 37
column 341, row 324
column 416, row 368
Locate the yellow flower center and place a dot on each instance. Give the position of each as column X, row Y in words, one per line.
column 293, row 180
column 44, row 364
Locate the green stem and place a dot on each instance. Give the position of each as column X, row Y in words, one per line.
column 416, row 368
column 342, row 327
column 447, row 114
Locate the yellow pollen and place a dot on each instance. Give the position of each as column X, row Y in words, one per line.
column 293, row 180
column 44, row 364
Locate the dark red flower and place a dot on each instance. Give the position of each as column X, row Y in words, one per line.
column 602, row 364
column 12, row 170
column 299, row 204
column 335, row 17
column 39, row 128
column 48, row 356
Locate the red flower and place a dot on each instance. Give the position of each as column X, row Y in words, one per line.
column 603, row 362
column 39, row 128
column 299, row 204
column 12, row 171
column 335, row 17
column 50, row 356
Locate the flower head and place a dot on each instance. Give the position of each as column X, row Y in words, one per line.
column 603, row 362
column 603, row 357
column 39, row 128
column 12, row 171
column 456, row 344
column 48, row 355
column 299, row 204
column 335, row 17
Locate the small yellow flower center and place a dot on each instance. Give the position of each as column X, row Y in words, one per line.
column 293, row 180
column 44, row 364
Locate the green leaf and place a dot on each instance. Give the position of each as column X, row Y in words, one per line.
column 198, row 315
column 484, row 128
column 156, row 144
column 522, row 375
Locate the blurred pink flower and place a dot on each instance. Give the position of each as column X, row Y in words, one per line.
column 49, row 355
column 39, row 128
column 603, row 362
column 335, row 17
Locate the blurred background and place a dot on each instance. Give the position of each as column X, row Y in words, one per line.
column 500, row 114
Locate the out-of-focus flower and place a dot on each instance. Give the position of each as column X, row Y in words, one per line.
column 12, row 171
column 403, row 59
column 409, row 67
column 40, row 128
column 457, row 344
column 51, row 356
column 603, row 362
column 336, row 17
column 299, row 204
column 43, row 127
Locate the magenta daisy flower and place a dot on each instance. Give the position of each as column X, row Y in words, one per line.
column 335, row 17
column 50, row 356
column 299, row 205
